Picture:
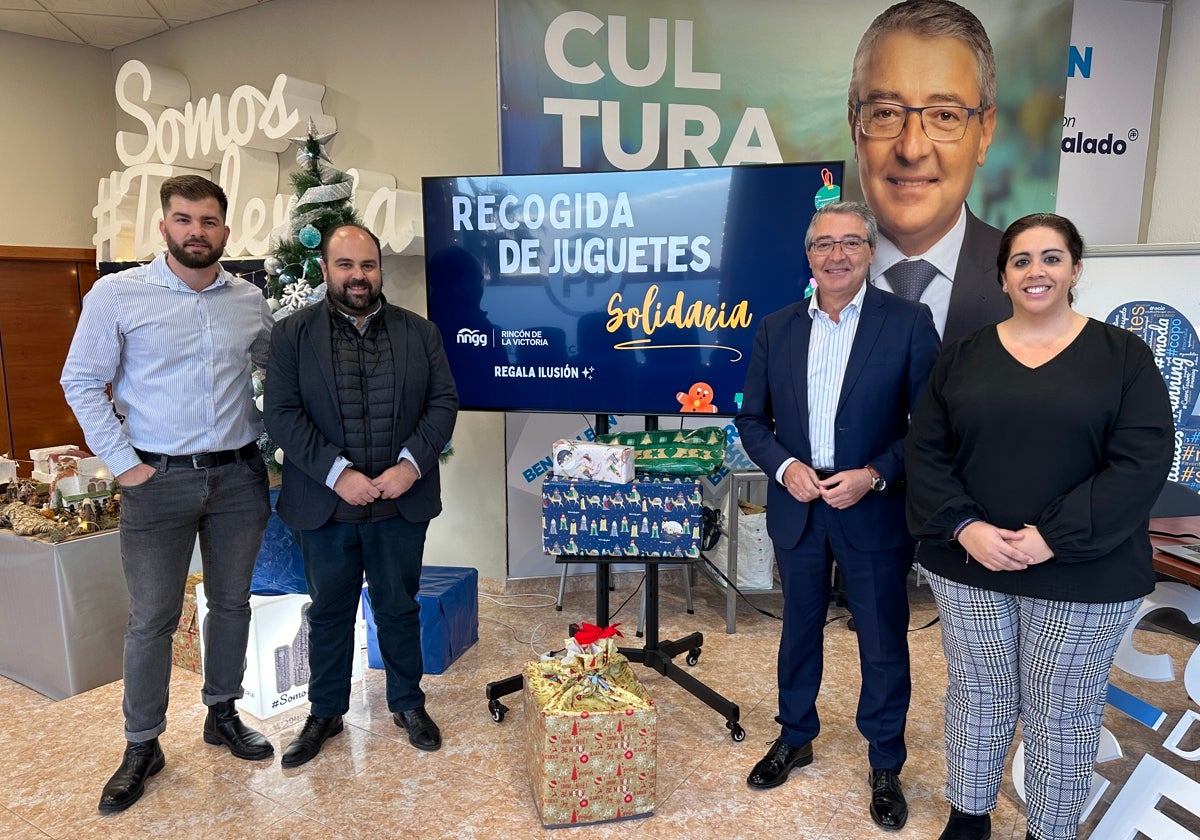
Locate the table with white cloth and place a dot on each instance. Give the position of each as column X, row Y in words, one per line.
column 63, row 612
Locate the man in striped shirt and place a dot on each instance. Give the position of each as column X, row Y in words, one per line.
column 828, row 392
column 175, row 339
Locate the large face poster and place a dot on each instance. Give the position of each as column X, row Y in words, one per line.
column 588, row 85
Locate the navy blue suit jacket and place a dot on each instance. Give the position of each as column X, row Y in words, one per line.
column 302, row 413
column 893, row 351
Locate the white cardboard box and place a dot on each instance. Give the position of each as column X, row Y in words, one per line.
column 276, row 676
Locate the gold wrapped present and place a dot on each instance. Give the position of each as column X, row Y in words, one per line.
column 591, row 745
column 185, row 644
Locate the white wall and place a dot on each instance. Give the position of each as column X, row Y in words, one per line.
column 413, row 88
column 1175, row 207
column 56, row 140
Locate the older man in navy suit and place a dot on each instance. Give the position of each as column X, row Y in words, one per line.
column 360, row 396
column 827, row 398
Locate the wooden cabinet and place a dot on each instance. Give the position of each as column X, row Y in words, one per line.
column 41, row 292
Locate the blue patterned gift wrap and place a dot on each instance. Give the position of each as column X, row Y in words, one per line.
column 279, row 569
column 651, row 516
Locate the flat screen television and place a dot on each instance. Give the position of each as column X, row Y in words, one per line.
column 615, row 292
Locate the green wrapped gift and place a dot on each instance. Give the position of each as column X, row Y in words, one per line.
column 674, row 452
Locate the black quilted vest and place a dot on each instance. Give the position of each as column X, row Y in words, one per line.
column 366, row 385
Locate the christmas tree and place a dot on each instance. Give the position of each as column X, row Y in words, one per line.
column 321, row 202
column 294, row 280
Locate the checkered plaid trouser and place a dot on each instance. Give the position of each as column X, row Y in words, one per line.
column 1044, row 661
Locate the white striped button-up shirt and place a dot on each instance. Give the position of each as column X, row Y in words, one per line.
column 178, row 360
column 829, row 346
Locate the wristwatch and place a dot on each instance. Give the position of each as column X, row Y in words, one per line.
column 878, row 482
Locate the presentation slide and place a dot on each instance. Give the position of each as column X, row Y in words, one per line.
column 615, row 292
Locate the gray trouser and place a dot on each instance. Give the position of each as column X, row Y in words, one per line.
column 227, row 507
column 1044, row 662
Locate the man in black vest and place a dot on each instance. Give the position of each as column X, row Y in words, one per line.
column 360, row 397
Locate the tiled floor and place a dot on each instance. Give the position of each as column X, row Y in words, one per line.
column 368, row 782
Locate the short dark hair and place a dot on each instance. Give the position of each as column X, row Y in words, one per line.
column 1060, row 224
column 844, row 208
column 931, row 19
column 192, row 188
column 329, row 235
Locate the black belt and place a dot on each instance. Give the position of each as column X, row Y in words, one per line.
column 201, row 460
column 824, row 474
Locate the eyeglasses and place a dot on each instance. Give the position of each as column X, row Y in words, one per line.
column 850, row 245
column 942, row 123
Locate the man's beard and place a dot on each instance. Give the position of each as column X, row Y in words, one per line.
column 195, row 260
column 342, row 299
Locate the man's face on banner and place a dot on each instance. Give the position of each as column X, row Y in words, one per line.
column 916, row 186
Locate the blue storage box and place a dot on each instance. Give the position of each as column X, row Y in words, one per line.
column 449, row 602
column 652, row 516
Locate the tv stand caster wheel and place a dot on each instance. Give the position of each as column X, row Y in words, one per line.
column 735, row 731
column 693, row 656
column 498, row 710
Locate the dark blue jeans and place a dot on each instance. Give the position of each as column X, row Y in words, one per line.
column 335, row 557
column 160, row 520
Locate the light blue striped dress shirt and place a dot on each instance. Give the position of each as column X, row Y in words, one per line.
column 828, row 352
column 178, row 360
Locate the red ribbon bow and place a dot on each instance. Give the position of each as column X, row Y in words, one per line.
column 590, row 633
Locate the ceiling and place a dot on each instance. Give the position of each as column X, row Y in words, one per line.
column 108, row 23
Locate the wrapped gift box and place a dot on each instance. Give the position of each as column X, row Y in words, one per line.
column 449, row 602
column 185, row 644
column 595, row 762
column 276, row 675
column 652, row 516
column 608, row 463
column 279, row 569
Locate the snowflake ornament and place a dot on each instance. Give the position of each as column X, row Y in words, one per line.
column 295, row 295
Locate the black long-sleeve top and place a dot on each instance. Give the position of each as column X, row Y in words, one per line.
column 1079, row 446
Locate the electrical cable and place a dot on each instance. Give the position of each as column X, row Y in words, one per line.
column 499, row 599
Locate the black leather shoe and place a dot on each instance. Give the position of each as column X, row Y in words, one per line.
column 772, row 770
column 888, row 807
column 224, row 727
column 963, row 826
column 308, row 743
column 142, row 760
column 423, row 733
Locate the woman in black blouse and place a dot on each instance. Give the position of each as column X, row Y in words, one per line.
column 1033, row 459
